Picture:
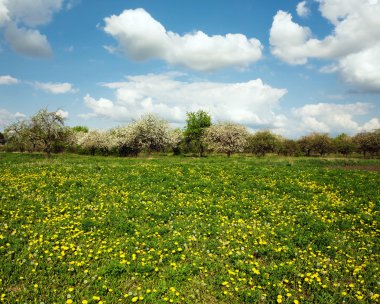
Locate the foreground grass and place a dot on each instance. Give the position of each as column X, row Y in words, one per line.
column 184, row 230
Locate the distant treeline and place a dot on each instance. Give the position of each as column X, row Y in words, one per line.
column 46, row 132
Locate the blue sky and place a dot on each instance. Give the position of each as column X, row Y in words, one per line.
column 293, row 67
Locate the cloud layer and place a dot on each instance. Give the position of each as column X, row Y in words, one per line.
column 18, row 21
column 141, row 37
column 355, row 37
column 251, row 103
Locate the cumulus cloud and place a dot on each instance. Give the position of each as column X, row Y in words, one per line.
column 363, row 69
column 355, row 36
column 7, row 79
column 55, row 88
column 33, row 12
column 334, row 118
column 28, row 41
column 7, row 117
column 302, row 9
column 141, row 37
column 252, row 103
column 19, row 19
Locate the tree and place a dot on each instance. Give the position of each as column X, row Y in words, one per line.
column 368, row 142
column 17, row 136
column 262, row 142
column 2, row 139
column 83, row 129
column 316, row 142
column 343, row 144
column 226, row 137
column 126, row 141
column 287, row 147
column 96, row 141
column 47, row 129
column 151, row 133
column 196, row 123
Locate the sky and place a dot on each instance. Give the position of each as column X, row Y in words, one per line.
column 292, row 67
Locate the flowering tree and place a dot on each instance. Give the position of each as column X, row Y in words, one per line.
column 226, row 138
column 151, row 133
column 125, row 140
column 94, row 140
column 44, row 131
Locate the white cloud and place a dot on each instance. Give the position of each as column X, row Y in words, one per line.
column 4, row 12
column 355, row 36
column 334, row 118
column 7, row 79
column 252, row 103
column 362, row 69
column 28, row 42
column 302, row 9
column 141, row 37
column 33, row 12
column 18, row 19
column 287, row 39
column 7, row 117
column 55, row 88
column 62, row 113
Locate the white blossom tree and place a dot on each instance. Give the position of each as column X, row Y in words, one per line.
column 95, row 140
column 151, row 133
column 226, row 137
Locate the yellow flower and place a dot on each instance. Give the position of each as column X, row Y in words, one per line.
column 279, row 299
column 69, row 301
column 84, row 302
column 135, row 299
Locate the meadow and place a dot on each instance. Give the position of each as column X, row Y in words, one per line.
column 80, row 229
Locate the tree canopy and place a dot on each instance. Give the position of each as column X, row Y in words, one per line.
column 196, row 124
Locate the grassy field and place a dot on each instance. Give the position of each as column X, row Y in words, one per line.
column 78, row 229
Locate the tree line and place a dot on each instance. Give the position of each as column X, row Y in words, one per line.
column 46, row 132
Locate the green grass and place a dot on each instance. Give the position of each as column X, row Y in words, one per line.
column 188, row 230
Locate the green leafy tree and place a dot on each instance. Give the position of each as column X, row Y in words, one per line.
column 344, row 144
column 196, row 124
column 262, row 142
column 287, row 147
column 83, row 129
